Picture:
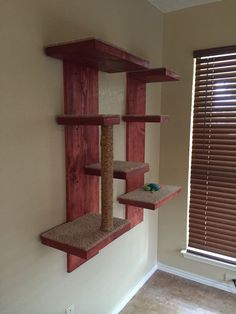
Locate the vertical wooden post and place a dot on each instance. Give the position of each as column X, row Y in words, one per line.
column 81, row 145
column 107, row 177
column 135, row 140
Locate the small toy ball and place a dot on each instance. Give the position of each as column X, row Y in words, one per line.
column 151, row 187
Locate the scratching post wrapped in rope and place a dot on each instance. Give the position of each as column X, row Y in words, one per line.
column 107, row 177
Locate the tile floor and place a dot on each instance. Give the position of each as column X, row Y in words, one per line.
column 168, row 294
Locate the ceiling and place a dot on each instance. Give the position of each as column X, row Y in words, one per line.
column 174, row 5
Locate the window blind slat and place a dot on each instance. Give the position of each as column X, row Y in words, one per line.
column 209, row 202
column 213, row 248
column 214, row 82
column 218, row 248
column 210, row 141
column 213, row 147
column 213, row 239
column 224, row 176
column 215, row 93
column 208, row 130
column 209, row 199
column 212, row 183
column 196, row 208
column 219, row 63
column 214, row 104
column 203, row 136
column 215, row 98
column 213, row 87
column 207, row 219
column 214, row 125
column 214, row 120
column 208, row 187
column 221, row 226
column 214, row 69
column 220, row 184
column 217, row 197
column 214, row 168
column 210, row 111
column 214, row 76
column 197, row 235
column 202, row 202
column 216, row 229
column 214, row 54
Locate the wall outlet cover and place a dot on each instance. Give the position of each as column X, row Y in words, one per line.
column 70, row 309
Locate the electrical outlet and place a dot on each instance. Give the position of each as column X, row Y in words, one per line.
column 228, row 277
column 70, row 309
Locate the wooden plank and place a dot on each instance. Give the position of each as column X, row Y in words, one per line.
column 145, row 118
column 155, row 75
column 121, row 169
column 83, row 237
column 97, row 54
column 149, row 200
column 81, row 145
column 100, row 119
column 135, row 141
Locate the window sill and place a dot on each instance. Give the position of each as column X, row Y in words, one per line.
column 209, row 261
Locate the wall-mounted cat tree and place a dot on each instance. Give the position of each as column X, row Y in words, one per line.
column 86, row 231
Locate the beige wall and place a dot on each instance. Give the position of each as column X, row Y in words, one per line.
column 207, row 26
column 33, row 278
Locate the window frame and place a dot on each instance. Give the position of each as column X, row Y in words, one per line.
column 190, row 252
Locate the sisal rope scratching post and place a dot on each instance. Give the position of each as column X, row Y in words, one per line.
column 107, row 177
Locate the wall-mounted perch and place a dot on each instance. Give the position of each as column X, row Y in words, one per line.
column 149, row 200
column 85, row 236
column 121, row 169
column 86, row 231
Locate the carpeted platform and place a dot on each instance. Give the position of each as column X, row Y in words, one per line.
column 83, row 237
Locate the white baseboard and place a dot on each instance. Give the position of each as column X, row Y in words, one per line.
column 175, row 271
column 200, row 279
column 133, row 291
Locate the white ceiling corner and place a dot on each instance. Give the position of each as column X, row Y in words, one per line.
column 173, row 5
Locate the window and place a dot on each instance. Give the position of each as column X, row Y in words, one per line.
column 212, row 199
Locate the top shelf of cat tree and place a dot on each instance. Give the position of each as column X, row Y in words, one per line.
column 97, row 54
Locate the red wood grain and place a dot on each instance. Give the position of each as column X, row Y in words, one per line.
column 155, row 75
column 145, row 118
column 100, row 119
column 97, row 54
column 81, row 145
column 135, row 140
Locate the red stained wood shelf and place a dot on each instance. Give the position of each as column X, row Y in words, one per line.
column 82, row 237
column 88, row 119
column 149, row 200
column 155, row 75
column 97, row 54
column 145, row 118
column 121, row 169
